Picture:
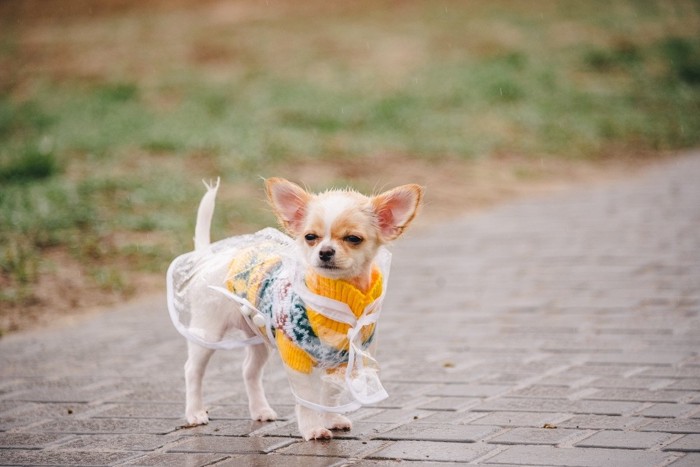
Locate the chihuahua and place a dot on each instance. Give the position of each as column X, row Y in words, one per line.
column 336, row 240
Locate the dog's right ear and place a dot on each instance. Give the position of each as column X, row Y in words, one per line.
column 289, row 201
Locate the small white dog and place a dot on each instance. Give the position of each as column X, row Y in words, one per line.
column 315, row 297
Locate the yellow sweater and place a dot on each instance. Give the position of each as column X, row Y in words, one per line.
column 332, row 333
column 305, row 338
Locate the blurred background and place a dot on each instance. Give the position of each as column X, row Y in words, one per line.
column 113, row 111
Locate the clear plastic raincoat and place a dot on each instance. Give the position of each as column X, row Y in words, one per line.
column 323, row 329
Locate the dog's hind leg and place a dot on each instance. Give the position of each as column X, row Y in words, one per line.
column 197, row 360
column 253, row 366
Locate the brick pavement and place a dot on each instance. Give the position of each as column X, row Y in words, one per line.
column 559, row 331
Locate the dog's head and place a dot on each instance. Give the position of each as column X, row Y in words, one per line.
column 340, row 231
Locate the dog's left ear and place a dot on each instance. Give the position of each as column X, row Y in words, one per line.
column 396, row 208
column 289, row 202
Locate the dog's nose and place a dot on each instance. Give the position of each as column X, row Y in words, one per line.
column 326, row 254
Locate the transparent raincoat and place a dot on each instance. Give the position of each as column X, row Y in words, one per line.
column 323, row 329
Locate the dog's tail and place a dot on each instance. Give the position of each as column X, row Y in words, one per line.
column 205, row 213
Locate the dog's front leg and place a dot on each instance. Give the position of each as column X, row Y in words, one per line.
column 329, row 397
column 197, row 360
column 310, row 422
column 255, row 360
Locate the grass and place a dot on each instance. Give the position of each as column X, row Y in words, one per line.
column 105, row 136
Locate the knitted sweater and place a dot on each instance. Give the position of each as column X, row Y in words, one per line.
column 305, row 338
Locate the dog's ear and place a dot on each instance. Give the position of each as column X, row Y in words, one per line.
column 289, row 201
column 396, row 208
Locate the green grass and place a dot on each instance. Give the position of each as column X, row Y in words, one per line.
column 106, row 164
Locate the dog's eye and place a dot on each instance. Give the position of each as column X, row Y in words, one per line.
column 353, row 239
column 310, row 237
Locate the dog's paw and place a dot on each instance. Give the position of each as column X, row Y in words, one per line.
column 198, row 418
column 264, row 414
column 335, row 421
column 318, row 432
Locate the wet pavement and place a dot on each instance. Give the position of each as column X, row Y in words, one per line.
column 562, row 330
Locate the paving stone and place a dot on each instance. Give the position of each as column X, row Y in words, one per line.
column 228, row 444
column 105, row 425
column 675, row 425
column 333, row 448
column 610, row 370
column 578, row 457
column 432, row 451
column 669, row 410
column 508, row 404
column 30, row 440
column 602, row 422
column 116, row 442
column 360, row 430
column 77, row 458
column 639, row 395
column 688, row 443
column 276, row 460
column 440, row 432
column 689, row 460
column 524, row 419
column 179, row 459
column 450, row 403
column 171, row 411
column 398, row 416
column 225, row 428
column 630, row 383
column 624, row 440
column 364, row 430
column 76, row 395
column 535, row 436
column 549, row 392
column 469, row 390
column 692, row 384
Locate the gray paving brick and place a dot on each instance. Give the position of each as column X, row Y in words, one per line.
column 689, row 460
column 364, row 430
column 624, row 440
column 275, row 460
column 360, row 430
column 557, row 405
column 104, row 425
column 171, row 411
column 535, row 436
column 640, row 395
column 43, row 457
column 602, row 422
column 432, row 451
column 29, row 440
column 578, row 457
column 692, row 384
column 523, row 419
column 669, row 410
column 115, row 442
column 228, row 444
column 688, row 443
column 440, row 432
column 630, row 383
column 675, row 425
column 450, row 403
column 548, row 392
column 469, row 390
column 179, row 459
column 333, row 448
